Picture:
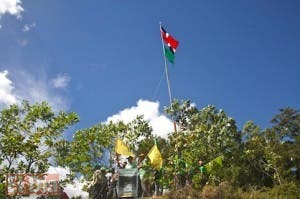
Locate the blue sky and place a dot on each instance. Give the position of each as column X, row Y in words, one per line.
column 98, row 58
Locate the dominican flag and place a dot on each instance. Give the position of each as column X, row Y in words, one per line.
column 168, row 39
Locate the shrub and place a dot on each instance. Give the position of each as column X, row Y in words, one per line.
column 210, row 192
column 185, row 193
column 290, row 190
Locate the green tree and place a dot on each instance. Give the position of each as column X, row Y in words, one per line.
column 61, row 151
column 28, row 133
column 181, row 113
column 285, row 143
column 87, row 145
column 134, row 132
column 86, row 148
column 270, row 157
column 253, row 163
column 287, row 122
column 203, row 135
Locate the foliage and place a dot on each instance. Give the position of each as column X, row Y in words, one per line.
column 133, row 132
column 204, row 135
column 287, row 122
column 181, row 113
column 184, row 193
column 87, row 147
column 252, row 158
column 28, row 134
column 62, row 149
column 256, row 163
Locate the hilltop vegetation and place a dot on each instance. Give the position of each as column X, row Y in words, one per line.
column 255, row 162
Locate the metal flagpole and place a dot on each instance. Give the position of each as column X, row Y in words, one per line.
column 170, row 96
column 167, row 75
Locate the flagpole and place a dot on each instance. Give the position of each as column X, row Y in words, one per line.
column 167, row 75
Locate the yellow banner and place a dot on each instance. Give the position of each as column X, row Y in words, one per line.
column 155, row 157
column 121, row 148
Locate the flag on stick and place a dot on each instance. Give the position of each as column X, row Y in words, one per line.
column 170, row 46
column 168, row 39
column 121, row 148
column 169, row 53
column 155, row 157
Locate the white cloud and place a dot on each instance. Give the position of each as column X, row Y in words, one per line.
column 36, row 88
column 61, row 81
column 32, row 87
column 28, row 27
column 160, row 123
column 74, row 189
column 7, row 96
column 61, row 171
column 12, row 7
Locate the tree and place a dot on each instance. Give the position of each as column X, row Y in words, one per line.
column 254, row 164
column 61, row 151
column 87, row 147
column 285, row 131
column 134, row 132
column 28, row 133
column 181, row 113
column 270, row 156
column 204, row 134
column 287, row 122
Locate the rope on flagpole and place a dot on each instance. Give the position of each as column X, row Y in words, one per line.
column 158, row 86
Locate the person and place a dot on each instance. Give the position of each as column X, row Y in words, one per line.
column 130, row 163
column 123, row 166
column 108, row 174
column 112, row 185
column 63, row 195
column 103, row 184
column 202, row 166
column 203, row 172
column 117, row 161
column 142, row 171
column 158, row 173
column 95, row 189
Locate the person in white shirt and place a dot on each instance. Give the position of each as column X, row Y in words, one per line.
column 130, row 163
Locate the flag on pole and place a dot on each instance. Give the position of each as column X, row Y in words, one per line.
column 121, row 148
column 170, row 46
column 155, row 157
column 169, row 53
column 168, row 39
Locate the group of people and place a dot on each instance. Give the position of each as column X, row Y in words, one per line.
column 103, row 184
column 104, row 181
